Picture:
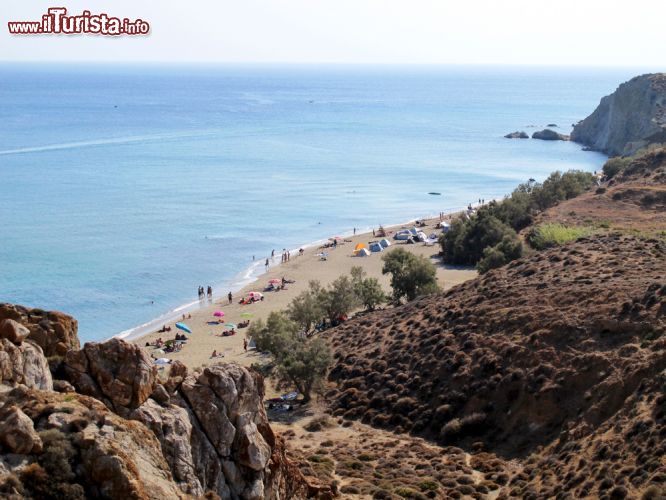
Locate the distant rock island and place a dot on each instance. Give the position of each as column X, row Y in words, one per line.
column 517, row 135
column 549, row 135
column 629, row 119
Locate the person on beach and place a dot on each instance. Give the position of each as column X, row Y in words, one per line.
column 272, row 254
column 301, row 251
column 373, row 232
column 266, row 264
column 230, row 297
column 288, row 256
column 214, row 355
column 354, row 231
column 245, row 345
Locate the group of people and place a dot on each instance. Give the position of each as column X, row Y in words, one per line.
column 249, row 300
column 207, row 292
column 173, row 345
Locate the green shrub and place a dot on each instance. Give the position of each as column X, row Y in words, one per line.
column 299, row 361
column 305, row 309
column 510, row 248
column 552, row 234
column 411, row 275
column 466, row 241
column 469, row 237
column 614, row 166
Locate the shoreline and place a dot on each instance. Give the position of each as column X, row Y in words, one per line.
column 249, row 275
column 207, row 343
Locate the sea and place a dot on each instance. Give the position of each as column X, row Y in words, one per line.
column 123, row 188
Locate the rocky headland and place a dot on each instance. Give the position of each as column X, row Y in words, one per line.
column 631, row 118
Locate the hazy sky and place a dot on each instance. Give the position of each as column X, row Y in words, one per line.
column 563, row 32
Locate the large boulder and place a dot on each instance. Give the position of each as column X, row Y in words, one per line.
column 17, row 434
column 121, row 374
column 53, row 331
column 24, row 364
column 13, row 331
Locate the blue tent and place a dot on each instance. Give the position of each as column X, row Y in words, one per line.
column 375, row 247
column 385, row 243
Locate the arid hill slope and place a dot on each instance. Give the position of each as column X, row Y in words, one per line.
column 548, row 351
column 632, row 201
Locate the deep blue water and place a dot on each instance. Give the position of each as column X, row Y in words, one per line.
column 124, row 188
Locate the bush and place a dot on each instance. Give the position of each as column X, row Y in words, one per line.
column 306, row 309
column 466, row 241
column 614, row 166
column 510, row 248
column 552, row 234
column 368, row 290
column 299, row 361
column 411, row 275
column 469, row 237
column 339, row 299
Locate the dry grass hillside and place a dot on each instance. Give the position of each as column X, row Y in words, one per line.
column 633, row 201
column 550, row 372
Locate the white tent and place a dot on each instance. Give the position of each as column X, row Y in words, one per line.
column 385, row 243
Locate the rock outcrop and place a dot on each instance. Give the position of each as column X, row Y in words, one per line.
column 53, row 331
column 517, row 135
column 72, row 446
column 21, row 360
column 629, row 119
column 549, row 135
column 120, row 374
column 125, row 433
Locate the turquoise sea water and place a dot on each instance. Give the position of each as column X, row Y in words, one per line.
column 125, row 188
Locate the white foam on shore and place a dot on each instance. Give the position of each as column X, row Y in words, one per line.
column 249, row 275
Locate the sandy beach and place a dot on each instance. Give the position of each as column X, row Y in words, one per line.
column 206, row 333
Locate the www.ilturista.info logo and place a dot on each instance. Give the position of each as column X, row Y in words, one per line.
column 56, row 21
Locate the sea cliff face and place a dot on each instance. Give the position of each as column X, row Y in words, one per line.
column 101, row 422
column 629, row 119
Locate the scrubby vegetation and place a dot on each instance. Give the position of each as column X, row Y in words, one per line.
column 411, row 275
column 299, row 361
column 488, row 238
column 333, row 303
column 550, row 235
column 614, row 166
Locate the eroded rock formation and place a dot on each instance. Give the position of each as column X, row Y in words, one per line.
column 628, row 119
column 126, row 433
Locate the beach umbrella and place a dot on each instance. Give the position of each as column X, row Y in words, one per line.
column 246, row 315
column 230, row 325
column 255, row 295
column 275, row 281
column 184, row 327
column 218, row 314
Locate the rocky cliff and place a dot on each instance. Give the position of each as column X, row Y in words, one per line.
column 118, row 429
column 629, row 119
